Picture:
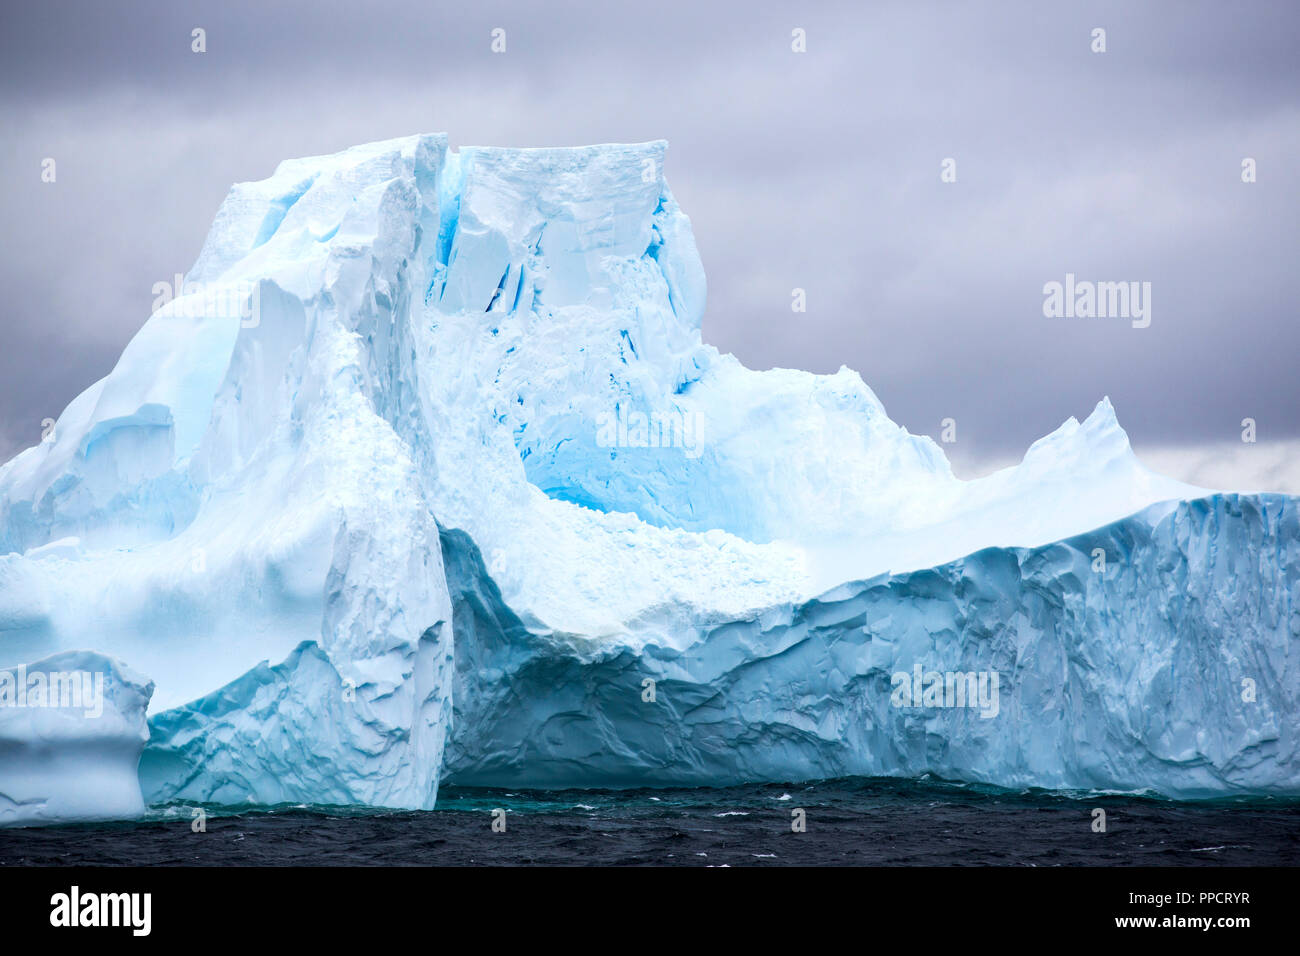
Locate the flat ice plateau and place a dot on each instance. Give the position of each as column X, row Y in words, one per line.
column 428, row 475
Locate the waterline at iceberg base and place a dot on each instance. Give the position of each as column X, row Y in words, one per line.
column 352, row 503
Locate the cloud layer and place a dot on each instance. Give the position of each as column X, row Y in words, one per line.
column 817, row 170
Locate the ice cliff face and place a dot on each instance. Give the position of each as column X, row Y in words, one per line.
column 1171, row 669
column 239, row 508
column 431, row 445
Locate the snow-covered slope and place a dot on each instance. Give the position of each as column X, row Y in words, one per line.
column 398, row 343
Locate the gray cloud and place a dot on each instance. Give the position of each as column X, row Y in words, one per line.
column 818, row 171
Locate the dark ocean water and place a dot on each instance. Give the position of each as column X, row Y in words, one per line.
column 848, row 822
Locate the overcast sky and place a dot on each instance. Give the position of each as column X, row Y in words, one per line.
column 816, row 170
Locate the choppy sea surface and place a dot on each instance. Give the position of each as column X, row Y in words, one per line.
column 845, row 822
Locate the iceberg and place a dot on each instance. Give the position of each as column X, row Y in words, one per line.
column 72, row 728
column 426, row 474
